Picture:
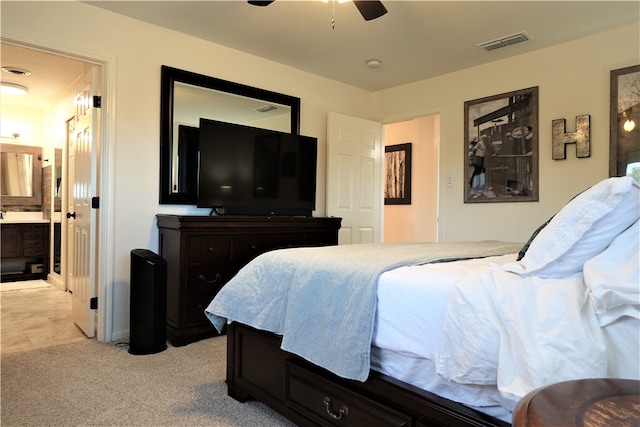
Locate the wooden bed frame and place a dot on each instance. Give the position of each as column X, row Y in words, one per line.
column 308, row 395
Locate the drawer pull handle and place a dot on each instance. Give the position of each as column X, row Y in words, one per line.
column 344, row 411
column 215, row 279
column 211, row 249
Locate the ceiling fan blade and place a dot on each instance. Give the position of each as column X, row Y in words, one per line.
column 260, row 3
column 370, row 9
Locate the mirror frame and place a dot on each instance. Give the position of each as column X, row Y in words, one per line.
column 57, row 201
column 36, row 199
column 169, row 76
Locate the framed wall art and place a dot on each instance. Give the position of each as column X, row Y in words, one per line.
column 397, row 167
column 624, row 142
column 501, row 148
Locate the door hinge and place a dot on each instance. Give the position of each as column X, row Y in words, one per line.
column 95, row 202
column 93, row 303
column 97, row 101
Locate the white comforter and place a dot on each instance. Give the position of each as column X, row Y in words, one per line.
column 520, row 333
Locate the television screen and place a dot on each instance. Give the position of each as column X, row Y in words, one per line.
column 245, row 170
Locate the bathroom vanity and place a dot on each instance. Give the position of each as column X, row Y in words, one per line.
column 24, row 250
column 25, row 224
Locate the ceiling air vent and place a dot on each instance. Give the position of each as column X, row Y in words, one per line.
column 266, row 109
column 16, row 71
column 505, row 41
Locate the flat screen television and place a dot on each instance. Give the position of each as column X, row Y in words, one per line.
column 245, row 170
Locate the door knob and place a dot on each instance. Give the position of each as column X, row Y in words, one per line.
column 71, row 215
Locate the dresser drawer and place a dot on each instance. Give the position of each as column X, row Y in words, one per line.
column 207, row 278
column 209, row 249
column 321, row 238
column 194, row 313
column 246, row 248
column 328, row 403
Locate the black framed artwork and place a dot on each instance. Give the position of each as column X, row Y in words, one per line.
column 624, row 142
column 397, row 185
column 501, row 147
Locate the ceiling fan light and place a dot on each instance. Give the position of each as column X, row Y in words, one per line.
column 260, row 3
column 13, row 88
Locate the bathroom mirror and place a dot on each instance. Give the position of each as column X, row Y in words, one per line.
column 57, row 184
column 21, row 175
column 185, row 97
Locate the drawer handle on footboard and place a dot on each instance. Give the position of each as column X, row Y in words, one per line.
column 344, row 411
column 215, row 279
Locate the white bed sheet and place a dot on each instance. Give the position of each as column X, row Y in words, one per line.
column 412, row 303
column 409, row 330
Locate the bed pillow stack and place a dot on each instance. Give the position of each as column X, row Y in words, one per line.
column 582, row 229
column 613, row 278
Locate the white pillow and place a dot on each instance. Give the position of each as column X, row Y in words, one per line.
column 583, row 228
column 613, row 278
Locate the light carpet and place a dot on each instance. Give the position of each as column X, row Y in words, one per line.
column 93, row 384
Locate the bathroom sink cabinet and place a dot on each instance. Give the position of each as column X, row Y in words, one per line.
column 24, row 250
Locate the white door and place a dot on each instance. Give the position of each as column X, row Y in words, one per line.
column 82, row 219
column 354, row 184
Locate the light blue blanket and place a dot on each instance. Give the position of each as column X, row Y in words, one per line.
column 322, row 301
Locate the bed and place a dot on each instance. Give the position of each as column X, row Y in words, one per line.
column 449, row 333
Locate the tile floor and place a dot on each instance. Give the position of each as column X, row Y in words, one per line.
column 34, row 315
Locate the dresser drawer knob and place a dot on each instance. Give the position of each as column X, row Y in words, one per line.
column 344, row 411
column 211, row 249
column 215, row 279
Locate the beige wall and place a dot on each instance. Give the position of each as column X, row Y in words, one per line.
column 135, row 51
column 416, row 222
column 573, row 79
column 26, row 121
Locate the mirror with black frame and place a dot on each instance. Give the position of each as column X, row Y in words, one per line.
column 185, row 97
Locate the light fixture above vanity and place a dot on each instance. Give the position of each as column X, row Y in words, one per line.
column 9, row 88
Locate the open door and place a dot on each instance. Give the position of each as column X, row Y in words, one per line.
column 83, row 186
column 354, row 177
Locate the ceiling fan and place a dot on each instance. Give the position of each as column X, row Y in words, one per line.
column 369, row 9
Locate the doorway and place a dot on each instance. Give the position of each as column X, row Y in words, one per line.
column 418, row 221
column 355, row 148
column 43, row 118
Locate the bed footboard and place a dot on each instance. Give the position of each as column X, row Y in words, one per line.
column 307, row 395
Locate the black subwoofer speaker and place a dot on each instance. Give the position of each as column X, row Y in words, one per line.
column 148, row 311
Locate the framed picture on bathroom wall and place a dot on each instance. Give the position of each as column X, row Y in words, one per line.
column 501, row 148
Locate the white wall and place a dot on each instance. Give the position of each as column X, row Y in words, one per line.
column 573, row 79
column 136, row 51
column 26, row 121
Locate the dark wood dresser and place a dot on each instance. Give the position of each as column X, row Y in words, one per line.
column 204, row 252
